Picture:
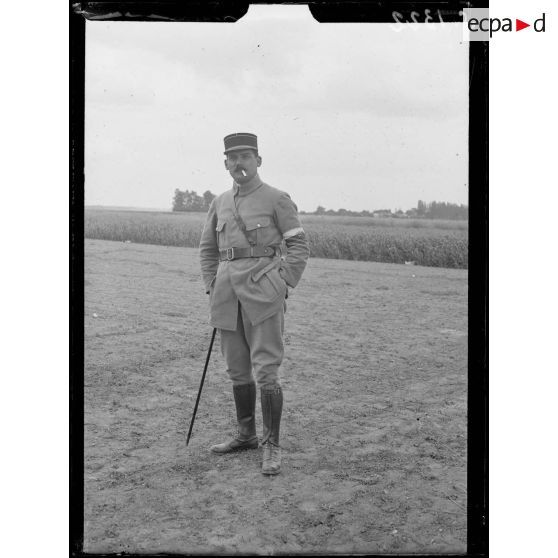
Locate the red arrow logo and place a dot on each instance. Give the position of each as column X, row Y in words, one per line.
column 519, row 25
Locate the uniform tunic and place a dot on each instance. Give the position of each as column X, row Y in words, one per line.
column 259, row 284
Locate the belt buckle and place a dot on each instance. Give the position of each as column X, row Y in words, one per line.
column 230, row 254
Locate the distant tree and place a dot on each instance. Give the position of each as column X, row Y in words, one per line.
column 432, row 210
column 186, row 200
column 193, row 201
column 439, row 210
column 208, row 197
column 178, row 201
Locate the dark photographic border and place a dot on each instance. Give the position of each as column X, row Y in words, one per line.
column 323, row 11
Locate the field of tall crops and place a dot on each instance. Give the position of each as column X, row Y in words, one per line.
column 424, row 242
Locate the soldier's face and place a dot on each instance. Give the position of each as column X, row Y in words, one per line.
column 243, row 160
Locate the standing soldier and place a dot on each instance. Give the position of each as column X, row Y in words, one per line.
column 247, row 281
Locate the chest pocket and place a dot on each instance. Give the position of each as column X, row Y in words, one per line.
column 258, row 229
column 220, row 228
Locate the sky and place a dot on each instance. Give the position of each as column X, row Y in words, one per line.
column 353, row 116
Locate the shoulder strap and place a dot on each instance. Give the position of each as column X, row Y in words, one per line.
column 241, row 224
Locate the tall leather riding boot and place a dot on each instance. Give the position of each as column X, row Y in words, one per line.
column 245, row 401
column 272, row 407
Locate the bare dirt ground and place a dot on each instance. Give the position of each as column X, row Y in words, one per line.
column 374, row 423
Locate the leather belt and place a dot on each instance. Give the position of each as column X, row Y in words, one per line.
column 257, row 251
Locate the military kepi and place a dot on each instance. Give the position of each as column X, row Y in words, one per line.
column 241, row 140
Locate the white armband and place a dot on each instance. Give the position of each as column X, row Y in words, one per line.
column 293, row 232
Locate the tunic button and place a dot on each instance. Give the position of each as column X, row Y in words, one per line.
column 259, row 225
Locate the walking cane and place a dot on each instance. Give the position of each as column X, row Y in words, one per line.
column 201, row 385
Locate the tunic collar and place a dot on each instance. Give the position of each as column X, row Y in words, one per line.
column 248, row 188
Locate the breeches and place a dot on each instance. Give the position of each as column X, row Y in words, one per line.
column 254, row 350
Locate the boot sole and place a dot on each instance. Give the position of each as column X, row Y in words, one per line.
column 234, row 450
